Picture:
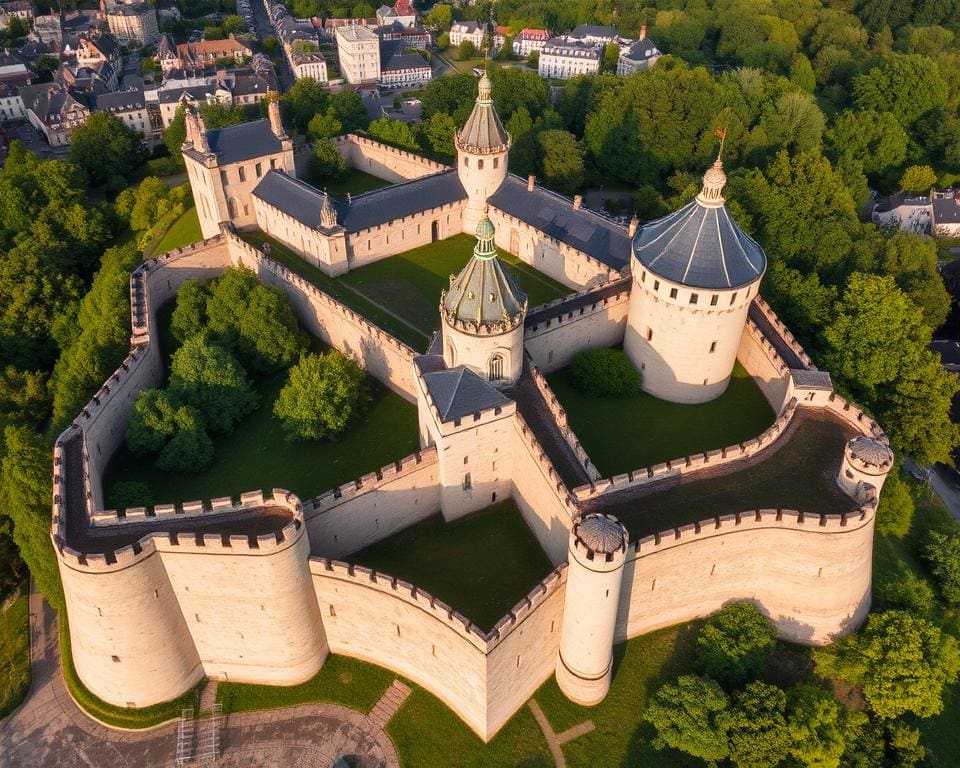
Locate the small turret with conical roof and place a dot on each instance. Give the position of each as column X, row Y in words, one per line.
column 482, row 148
column 482, row 313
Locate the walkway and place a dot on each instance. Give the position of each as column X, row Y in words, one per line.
column 50, row 730
column 557, row 740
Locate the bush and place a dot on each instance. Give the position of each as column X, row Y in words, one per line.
column 605, row 373
column 895, row 512
column 322, row 396
column 907, row 592
column 130, row 493
column 943, row 553
column 733, row 644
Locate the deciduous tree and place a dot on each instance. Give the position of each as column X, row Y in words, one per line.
column 105, row 148
column 690, row 715
column 733, row 644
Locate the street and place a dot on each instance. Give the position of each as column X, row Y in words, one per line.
column 264, row 29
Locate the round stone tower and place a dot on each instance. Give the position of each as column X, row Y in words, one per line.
column 482, row 315
column 695, row 273
column 596, row 555
column 482, row 146
column 866, row 460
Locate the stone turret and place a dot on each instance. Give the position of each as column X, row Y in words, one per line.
column 482, row 315
column 328, row 214
column 866, row 461
column 482, row 147
column 695, row 273
column 596, row 556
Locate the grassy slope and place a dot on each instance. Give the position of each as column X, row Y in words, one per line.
column 185, row 230
column 452, row 561
column 14, row 653
column 624, row 434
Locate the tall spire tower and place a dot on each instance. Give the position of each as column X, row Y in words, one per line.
column 482, row 147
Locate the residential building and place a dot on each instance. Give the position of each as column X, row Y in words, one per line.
column 330, row 26
column 399, row 69
column 562, row 58
column 473, row 31
column 131, row 107
column 402, row 13
column 14, row 75
column 207, row 53
column 591, row 33
column 53, row 111
column 47, row 29
column 135, row 23
column 311, row 64
column 530, row 40
column 638, row 56
column 22, row 9
column 359, row 51
column 95, row 49
column 410, row 37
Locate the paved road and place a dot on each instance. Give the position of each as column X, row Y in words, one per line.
column 50, row 730
column 264, row 29
column 943, row 485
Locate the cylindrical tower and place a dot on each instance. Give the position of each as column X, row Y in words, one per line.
column 482, row 146
column 596, row 555
column 695, row 273
column 866, row 460
column 482, row 315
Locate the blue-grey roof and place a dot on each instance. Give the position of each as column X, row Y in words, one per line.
column 459, row 392
column 587, row 231
column 293, row 197
column 701, row 247
column 243, row 142
column 371, row 209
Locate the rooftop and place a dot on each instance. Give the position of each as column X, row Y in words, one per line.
column 483, row 131
column 243, row 142
column 457, row 392
column 593, row 30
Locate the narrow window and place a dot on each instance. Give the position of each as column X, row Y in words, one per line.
column 733, row 298
column 649, row 334
column 480, row 164
column 673, row 293
column 643, row 276
column 713, row 300
column 693, row 298
column 705, row 382
column 333, row 611
column 242, row 173
column 496, row 163
column 656, row 285
column 466, row 459
column 467, row 482
column 466, row 161
column 495, row 372
column 116, row 659
column 223, row 178
column 258, row 169
column 713, row 347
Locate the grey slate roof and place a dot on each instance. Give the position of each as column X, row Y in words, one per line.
column 812, row 379
column 603, row 534
column 699, row 247
column 293, row 197
column 483, row 131
column 380, row 206
column 641, row 50
column 587, row 231
column 593, row 30
column 243, row 142
column 121, row 101
column 946, row 210
column 459, row 392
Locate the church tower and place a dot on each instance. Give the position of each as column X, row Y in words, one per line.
column 482, row 146
column 695, row 273
column 482, row 315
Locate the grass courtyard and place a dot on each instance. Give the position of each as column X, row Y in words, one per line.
column 14, row 652
column 452, row 561
column 355, row 182
column 628, row 433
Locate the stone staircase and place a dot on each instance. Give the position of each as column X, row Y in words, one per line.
column 389, row 703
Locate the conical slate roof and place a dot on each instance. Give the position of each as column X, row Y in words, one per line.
column 483, row 294
column 700, row 245
column 483, row 131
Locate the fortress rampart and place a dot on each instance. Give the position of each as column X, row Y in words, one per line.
column 383, row 161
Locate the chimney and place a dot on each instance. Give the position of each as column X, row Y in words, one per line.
column 643, row 31
column 200, row 140
column 531, row 180
column 273, row 112
column 634, row 223
column 577, row 202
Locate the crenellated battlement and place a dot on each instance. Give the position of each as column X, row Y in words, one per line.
column 855, row 417
column 784, row 333
column 546, row 466
column 363, row 141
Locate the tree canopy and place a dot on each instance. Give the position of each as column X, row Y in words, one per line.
column 733, row 644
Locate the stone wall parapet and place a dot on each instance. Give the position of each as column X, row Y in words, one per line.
column 353, row 138
column 855, row 417
column 785, row 334
column 546, row 466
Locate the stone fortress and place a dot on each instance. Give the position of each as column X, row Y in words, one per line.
column 261, row 589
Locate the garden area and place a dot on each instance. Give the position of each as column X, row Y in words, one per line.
column 454, row 563
column 637, row 430
column 215, row 431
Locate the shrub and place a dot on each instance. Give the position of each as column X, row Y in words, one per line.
column 943, row 553
column 605, row 373
column 190, row 314
column 733, row 644
column 322, row 396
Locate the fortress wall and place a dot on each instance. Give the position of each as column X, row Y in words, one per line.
column 130, row 644
column 540, row 493
column 553, row 343
column 854, row 416
column 250, row 609
column 384, row 357
column 809, row 575
column 383, row 161
column 785, row 334
column 377, row 505
column 385, row 621
column 377, row 243
column 564, row 264
column 760, row 359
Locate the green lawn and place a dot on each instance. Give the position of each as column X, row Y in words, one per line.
column 624, row 434
column 410, row 283
column 452, row 561
column 185, row 230
column 14, row 653
column 798, row 475
column 341, row 680
column 353, row 182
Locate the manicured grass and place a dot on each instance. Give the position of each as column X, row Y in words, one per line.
column 410, row 283
column 121, row 717
column 256, row 455
column 481, row 565
column 341, row 680
column 14, row 653
column 800, row 474
column 185, row 230
column 426, row 733
column 629, row 433
column 341, row 291
column 353, row 182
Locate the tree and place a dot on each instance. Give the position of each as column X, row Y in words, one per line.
column 906, row 85
column 323, row 394
column 189, row 448
column 895, row 512
column 348, row 108
column 25, row 493
column 452, row 95
column 443, row 42
column 801, row 73
column 793, row 122
column 324, row 125
column 871, row 141
column 305, row 99
column 190, row 313
column 233, row 24
column 213, row 33
column 439, row 131
column 513, row 88
column 268, row 335
column 361, row 11
column 912, row 261
column 943, row 553
column 611, row 57
column 440, row 17
column 209, row 378
column 604, row 372
column 327, row 162
column 817, row 727
column 151, row 422
column 690, row 715
column 24, row 398
column 918, row 178
column 757, row 726
column 395, row 132
column 524, row 149
column 734, row 643
column 906, row 592
column 467, row 50
column 105, row 148
column 902, row 662
column 561, row 160
column 45, row 65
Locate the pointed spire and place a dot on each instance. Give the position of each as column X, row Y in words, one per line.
column 328, row 214
column 273, row 112
column 483, row 132
column 485, row 248
column 200, row 139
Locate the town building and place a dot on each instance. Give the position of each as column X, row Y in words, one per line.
column 16, row 9
column 204, row 53
column 935, row 213
column 409, row 37
column 530, row 40
column 562, row 59
column 402, row 70
column 132, row 108
column 474, row 31
column 403, row 13
column 53, row 111
column 638, row 56
column 133, row 23
column 593, row 34
column 14, row 75
column 358, row 49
